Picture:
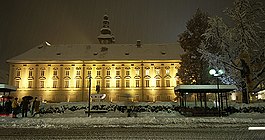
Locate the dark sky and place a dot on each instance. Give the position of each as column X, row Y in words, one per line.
column 27, row 23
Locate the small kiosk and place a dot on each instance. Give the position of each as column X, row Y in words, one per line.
column 220, row 92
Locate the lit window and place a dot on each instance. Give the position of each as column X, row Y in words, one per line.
column 127, row 83
column 89, row 73
column 107, row 83
column 127, row 73
column 167, row 83
column 17, row 84
column 98, row 73
column 41, row 84
column 157, row 71
column 18, row 73
column 55, row 72
column 66, row 84
column 147, row 72
column 67, row 73
column 157, row 83
column 54, row 84
column 167, row 71
column 98, row 82
column 78, row 72
column 117, row 73
column 168, row 98
column 137, row 83
column 137, row 72
column 30, row 73
column 147, row 83
column 108, row 73
column 117, row 83
column 77, row 84
column 30, row 83
column 42, row 72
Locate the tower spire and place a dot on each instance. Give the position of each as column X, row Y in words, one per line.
column 106, row 37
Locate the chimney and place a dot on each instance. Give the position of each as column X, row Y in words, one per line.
column 138, row 43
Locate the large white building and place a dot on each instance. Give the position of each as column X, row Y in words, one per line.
column 142, row 72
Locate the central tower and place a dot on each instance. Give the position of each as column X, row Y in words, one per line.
column 106, row 37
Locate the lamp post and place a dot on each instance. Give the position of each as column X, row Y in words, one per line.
column 217, row 74
column 89, row 96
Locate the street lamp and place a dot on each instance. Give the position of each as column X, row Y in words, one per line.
column 217, row 74
column 89, row 96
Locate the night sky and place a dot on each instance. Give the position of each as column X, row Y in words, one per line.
column 27, row 23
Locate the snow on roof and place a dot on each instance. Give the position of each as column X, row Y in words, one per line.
column 99, row 52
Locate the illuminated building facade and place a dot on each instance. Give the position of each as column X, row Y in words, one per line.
column 138, row 72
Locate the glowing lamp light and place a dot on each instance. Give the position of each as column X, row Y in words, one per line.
column 212, row 72
column 216, row 73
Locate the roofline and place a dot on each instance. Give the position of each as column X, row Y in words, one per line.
column 204, row 88
column 7, row 87
column 88, row 61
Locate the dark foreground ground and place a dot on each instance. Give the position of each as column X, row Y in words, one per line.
column 132, row 133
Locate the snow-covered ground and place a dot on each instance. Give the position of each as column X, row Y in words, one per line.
column 78, row 118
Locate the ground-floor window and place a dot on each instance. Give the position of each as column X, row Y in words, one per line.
column 117, row 83
column 17, row 84
column 41, row 84
column 167, row 83
column 66, row 83
column 157, row 83
column 137, row 83
column 107, row 83
column 30, row 84
column 127, row 83
column 55, row 84
column 146, row 83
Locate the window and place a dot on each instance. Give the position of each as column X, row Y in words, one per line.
column 167, row 71
column 127, row 83
column 137, row 83
column 67, row 73
column 107, row 83
column 66, row 84
column 98, row 73
column 127, row 73
column 137, row 72
column 77, row 84
column 18, row 73
column 98, row 82
column 117, row 83
column 147, row 83
column 30, row 84
column 168, row 98
column 89, row 73
column 30, row 73
column 54, row 84
column 17, row 84
column 55, row 72
column 78, row 73
column 41, row 84
column 118, row 73
column 167, row 83
column 108, row 73
column 157, row 83
column 42, row 72
column 147, row 97
column 147, row 72
column 157, row 71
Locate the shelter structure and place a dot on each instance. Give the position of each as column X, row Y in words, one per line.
column 201, row 92
column 5, row 91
